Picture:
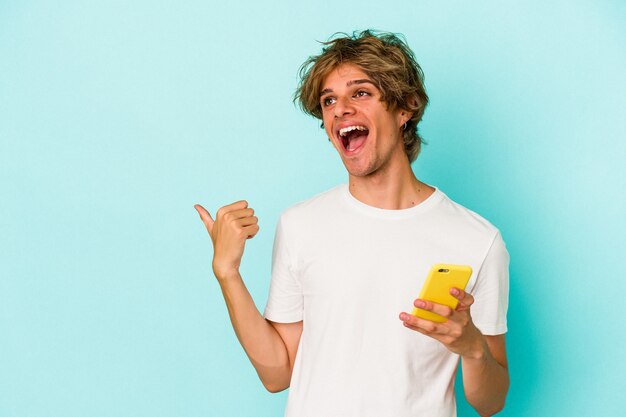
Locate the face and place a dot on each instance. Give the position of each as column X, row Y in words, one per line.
column 367, row 135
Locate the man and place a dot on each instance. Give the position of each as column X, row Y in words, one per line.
column 347, row 262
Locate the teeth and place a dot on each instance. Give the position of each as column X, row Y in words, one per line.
column 345, row 130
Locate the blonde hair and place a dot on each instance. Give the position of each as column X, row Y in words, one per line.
column 388, row 62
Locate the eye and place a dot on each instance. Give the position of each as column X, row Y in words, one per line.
column 327, row 101
column 361, row 93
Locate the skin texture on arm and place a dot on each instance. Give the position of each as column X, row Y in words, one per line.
column 483, row 358
column 290, row 333
column 487, row 377
column 271, row 347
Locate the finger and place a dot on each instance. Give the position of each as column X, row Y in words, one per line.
column 427, row 326
column 206, row 218
column 246, row 221
column 442, row 310
column 465, row 299
column 251, row 231
column 437, row 336
column 417, row 329
column 238, row 214
column 237, row 205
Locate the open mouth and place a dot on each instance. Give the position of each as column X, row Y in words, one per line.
column 353, row 137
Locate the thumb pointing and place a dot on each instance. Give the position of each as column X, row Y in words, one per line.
column 205, row 217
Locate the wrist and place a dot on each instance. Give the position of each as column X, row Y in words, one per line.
column 225, row 273
column 478, row 349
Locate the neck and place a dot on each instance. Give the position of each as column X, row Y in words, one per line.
column 393, row 188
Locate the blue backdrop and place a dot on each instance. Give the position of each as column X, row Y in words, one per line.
column 116, row 117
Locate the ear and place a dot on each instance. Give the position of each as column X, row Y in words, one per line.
column 405, row 116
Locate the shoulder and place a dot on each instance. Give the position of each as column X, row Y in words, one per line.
column 316, row 207
column 459, row 218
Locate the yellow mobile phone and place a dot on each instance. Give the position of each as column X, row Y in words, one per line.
column 441, row 278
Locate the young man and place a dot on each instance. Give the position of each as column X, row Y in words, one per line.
column 348, row 262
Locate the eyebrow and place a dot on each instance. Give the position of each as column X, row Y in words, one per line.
column 348, row 84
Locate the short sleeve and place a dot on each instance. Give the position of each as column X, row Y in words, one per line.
column 285, row 300
column 491, row 292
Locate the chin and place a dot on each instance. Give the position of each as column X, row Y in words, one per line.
column 359, row 171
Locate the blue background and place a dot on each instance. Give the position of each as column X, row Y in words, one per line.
column 116, row 117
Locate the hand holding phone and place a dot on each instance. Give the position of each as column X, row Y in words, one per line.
column 442, row 278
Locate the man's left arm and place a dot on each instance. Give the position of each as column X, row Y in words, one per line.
column 486, row 378
column 483, row 358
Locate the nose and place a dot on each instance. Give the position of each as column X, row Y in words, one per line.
column 343, row 107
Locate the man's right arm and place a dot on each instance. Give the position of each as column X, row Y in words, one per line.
column 271, row 347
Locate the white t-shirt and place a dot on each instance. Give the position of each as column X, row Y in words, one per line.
column 348, row 270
